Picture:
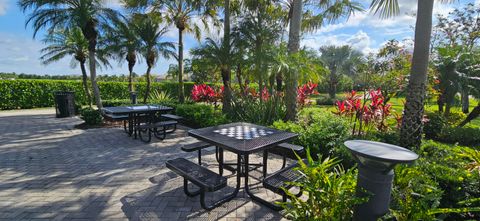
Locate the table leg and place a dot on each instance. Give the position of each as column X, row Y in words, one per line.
column 256, row 198
column 130, row 125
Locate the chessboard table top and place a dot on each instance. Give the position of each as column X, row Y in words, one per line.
column 241, row 137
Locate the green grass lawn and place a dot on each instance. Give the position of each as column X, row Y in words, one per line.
column 397, row 106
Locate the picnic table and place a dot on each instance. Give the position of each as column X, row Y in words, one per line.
column 133, row 114
column 243, row 139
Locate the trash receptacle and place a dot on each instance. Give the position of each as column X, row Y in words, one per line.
column 64, row 103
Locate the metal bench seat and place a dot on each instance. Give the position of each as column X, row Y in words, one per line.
column 281, row 180
column 205, row 179
column 159, row 129
column 172, row 117
column 197, row 146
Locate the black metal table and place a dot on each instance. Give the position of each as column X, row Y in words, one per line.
column 134, row 112
column 242, row 139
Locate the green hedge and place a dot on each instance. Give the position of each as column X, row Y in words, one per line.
column 22, row 94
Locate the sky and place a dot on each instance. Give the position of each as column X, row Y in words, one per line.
column 20, row 52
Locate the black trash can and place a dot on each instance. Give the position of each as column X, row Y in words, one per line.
column 64, row 103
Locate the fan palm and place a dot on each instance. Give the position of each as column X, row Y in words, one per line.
column 63, row 14
column 150, row 32
column 316, row 14
column 124, row 43
column 68, row 42
column 339, row 60
column 182, row 14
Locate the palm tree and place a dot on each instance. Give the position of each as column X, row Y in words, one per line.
column 68, row 42
column 340, row 61
column 124, row 43
column 149, row 31
column 63, row 14
column 411, row 128
column 181, row 13
column 326, row 11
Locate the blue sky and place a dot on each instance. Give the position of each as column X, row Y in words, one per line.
column 19, row 52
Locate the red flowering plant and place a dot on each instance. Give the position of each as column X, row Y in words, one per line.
column 205, row 93
column 304, row 91
column 365, row 113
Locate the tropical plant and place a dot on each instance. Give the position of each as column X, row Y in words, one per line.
column 340, row 61
column 182, row 14
column 152, row 47
column 309, row 20
column 68, row 42
column 158, row 96
column 125, row 43
column 63, row 14
column 331, row 192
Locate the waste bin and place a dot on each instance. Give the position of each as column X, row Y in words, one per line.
column 133, row 97
column 64, row 103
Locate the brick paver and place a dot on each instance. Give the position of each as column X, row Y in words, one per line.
column 51, row 171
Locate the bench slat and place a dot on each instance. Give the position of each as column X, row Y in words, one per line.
column 197, row 174
column 287, row 150
column 276, row 181
column 195, row 146
column 157, row 124
column 172, row 117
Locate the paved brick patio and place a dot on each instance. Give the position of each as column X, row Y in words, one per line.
column 50, row 171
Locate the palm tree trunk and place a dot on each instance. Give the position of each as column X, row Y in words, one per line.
column 465, row 101
column 131, row 58
column 93, row 79
column 474, row 114
column 411, row 128
column 147, row 90
column 279, row 79
column 293, row 46
column 226, row 75
column 239, row 79
column 181, row 95
column 85, row 83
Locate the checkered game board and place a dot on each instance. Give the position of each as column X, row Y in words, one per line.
column 243, row 132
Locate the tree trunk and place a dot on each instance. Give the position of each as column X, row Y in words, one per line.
column 465, row 101
column 226, row 75
column 90, row 33
column 451, row 89
column 181, row 95
column 293, row 47
column 147, row 90
column 239, row 79
column 279, row 79
column 411, row 128
column 85, row 82
column 131, row 58
column 474, row 114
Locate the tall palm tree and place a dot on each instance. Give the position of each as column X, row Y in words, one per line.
column 62, row 14
column 68, row 42
column 412, row 127
column 182, row 14
column 309, row 19
column 150, row 32
column 125, row 43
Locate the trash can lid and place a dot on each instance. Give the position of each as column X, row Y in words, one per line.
column 381, row 151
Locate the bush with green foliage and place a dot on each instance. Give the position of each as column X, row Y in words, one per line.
column 258, row 111
column 91, row 116
column 200, row 115
column 444, row 129
column 440, row 184
column 22, row 94
column 330, row 189
column 320, row 131
column 462, row 135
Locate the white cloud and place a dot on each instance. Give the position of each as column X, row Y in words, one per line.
column 360, row 41
column 3, row 7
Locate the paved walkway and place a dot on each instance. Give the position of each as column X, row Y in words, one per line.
column 48, row 170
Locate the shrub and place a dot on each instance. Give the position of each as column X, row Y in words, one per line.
column 253, row 110
column 330, row 190
column 116, row 102
column 20, row 94
column 200, row 115
column 91, row 116
column 322, row 132
column 463, row 135
column 437, row 122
